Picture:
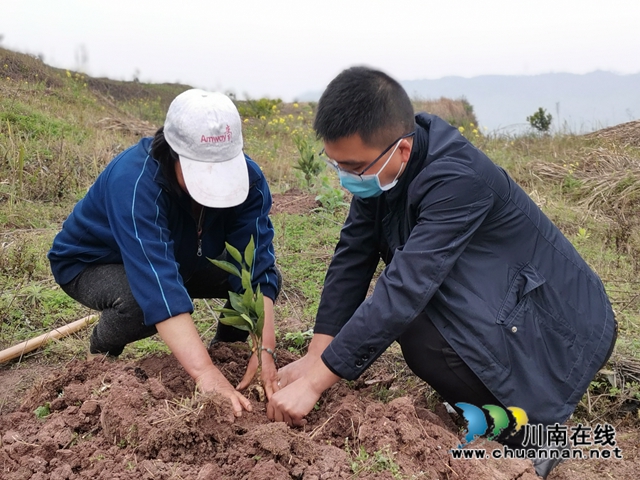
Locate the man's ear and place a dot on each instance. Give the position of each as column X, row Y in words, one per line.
column 405, row 147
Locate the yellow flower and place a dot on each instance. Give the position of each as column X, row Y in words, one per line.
column 295, row 105
column 281, row 120
column 6, row 66
column 471, row 124
column 290, row 116
column 262, row 117
column 68, row 74
column 300, row 117
column 273, row 107
column 461, row 128
column 475, row 130
column 246, row 120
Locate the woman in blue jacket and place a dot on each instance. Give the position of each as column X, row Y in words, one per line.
column 136, row 247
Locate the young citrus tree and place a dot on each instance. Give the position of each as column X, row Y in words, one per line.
column 247, row 309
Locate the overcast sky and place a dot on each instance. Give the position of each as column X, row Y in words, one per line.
column 284, row 48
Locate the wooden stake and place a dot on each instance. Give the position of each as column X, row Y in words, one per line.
column 33, row 343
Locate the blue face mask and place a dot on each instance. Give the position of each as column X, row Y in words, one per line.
column 366, row 186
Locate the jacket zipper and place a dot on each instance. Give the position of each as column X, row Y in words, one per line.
column 199, row 252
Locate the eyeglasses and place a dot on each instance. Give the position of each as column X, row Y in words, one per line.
column 332, row 163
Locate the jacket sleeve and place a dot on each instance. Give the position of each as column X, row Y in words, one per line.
column 252, row 218
column 352, row 267
column 454, row 202
column 136, row 210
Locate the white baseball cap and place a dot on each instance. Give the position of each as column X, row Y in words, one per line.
column 205, row 130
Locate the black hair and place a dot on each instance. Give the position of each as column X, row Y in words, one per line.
column 167, row 158
column 366, row 102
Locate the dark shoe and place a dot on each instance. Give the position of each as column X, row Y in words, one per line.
column 543, row 466
column 111, row 351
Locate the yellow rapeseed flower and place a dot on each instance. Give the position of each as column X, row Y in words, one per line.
column 273, row 107
column 300, row 117
column 471, row 124
column 461, row 128
column 68, row 74
column 295, row 105
column 262, row 117
column 281, row 120
column 290, row 116
column 246, row 120
column 475, row 130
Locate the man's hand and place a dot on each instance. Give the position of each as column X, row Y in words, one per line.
column 294, row 401
column 295, row 370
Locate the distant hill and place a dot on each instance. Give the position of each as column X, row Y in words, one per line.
column 580, row 103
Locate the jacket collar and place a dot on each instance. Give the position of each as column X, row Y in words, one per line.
column 416, row 160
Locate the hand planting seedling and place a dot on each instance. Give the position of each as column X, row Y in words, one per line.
column 247, row 312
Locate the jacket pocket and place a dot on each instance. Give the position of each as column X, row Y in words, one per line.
column 524, row 282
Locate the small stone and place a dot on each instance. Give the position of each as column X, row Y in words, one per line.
column 10, row 437
column 90, row 407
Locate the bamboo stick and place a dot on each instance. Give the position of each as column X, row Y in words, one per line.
column 33, row 343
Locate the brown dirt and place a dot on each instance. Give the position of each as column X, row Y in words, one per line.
column 293, row 202
column 139, row 420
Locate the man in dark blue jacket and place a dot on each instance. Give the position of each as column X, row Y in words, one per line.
column 136, row 247
column 490, row 303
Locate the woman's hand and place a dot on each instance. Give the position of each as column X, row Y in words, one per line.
column 213, row 381
column 181, row 336
column 269, row 375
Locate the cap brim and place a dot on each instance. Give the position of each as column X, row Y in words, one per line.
column 217, row 184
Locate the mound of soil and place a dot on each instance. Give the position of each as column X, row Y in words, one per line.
column 140, row 420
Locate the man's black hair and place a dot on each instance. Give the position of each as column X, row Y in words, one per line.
column 366, row 102
column 167, row 158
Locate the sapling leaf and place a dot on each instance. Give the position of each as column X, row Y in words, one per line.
column 236, row 302
column 249, row 252
column 259, row 303
column 246, row 280
column 259, row 326
column 249, row 321
column 225, row 311
column 227, row 267
column 247, row 300
column 234, row 252
column 237, row 322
